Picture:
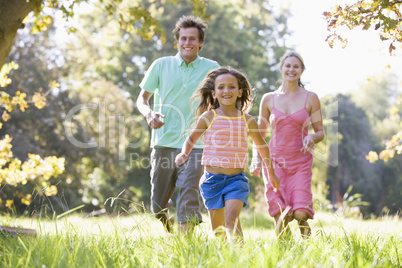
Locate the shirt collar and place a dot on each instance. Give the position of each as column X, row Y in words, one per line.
column 181, row 62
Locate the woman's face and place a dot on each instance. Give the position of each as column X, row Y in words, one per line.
column 291, row 69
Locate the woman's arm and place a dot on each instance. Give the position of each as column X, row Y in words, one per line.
column 316, row 122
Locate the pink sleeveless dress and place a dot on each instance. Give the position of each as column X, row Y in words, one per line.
column 292, row 166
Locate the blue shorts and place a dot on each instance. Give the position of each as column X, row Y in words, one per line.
column 217, row 188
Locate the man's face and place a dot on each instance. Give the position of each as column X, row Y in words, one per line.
column 189, row 44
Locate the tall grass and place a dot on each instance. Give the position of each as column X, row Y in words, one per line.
column 138, row 240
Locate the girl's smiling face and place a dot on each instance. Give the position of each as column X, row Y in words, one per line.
column 226, row 90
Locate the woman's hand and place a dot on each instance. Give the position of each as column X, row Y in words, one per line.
column 274, row 180
column 308, row 144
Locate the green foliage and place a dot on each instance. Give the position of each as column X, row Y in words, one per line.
column 355, row 141
column 351, row 203
column 380, row 98
column 132, row 16
column 12, row 170
column 99, row 73
column 81, row 111
column 384, row 14
column 377, row 95
column 243, row 35
column 4, row 71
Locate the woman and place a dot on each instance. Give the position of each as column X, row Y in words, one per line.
column 290, row 110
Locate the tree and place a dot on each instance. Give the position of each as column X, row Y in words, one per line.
column 13, row 16
column 376, row 95
column 105, row 63
column 379, row 98
column 385, row 15
column 12, row 170
column 376, row 182
column 81, row 122
column 243, row 34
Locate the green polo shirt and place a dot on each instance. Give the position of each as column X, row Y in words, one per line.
column 172, row 83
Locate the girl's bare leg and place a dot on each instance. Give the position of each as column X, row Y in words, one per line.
column 217, row 217
column 233, row 209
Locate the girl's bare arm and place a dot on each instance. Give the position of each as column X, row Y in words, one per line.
column 202, row 124
column 263, row 150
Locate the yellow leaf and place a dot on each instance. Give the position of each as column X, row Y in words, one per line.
column 5, row 116
column 394, row 112
column 52, row 190
column 39, row 100
column 26, row 200
column 372, row 157
column 25, row 20
column 54, row 84
column 163, row 39
column 9, row 203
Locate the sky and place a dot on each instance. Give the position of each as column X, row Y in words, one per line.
column 336, row 70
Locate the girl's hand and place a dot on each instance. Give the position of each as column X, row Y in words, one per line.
column 274, row 180
column 255, row 168
column 180, row 159
column 308, row 144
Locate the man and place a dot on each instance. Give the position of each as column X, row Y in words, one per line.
column 173, row 80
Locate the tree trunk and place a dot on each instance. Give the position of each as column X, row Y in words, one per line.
column 12, row 13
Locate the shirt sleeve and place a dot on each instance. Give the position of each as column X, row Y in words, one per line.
column 150, row 82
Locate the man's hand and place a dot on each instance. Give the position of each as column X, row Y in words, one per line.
column 154, row 119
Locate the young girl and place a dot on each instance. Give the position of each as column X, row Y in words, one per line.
column 224, row 96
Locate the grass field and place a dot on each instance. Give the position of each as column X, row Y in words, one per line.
column 138, row 240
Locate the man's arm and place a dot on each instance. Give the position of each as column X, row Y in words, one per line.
column 153, row 118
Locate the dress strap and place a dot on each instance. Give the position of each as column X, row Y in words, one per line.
column 305, row 104
column 273, row 100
